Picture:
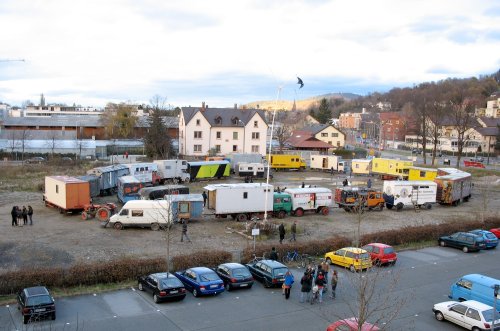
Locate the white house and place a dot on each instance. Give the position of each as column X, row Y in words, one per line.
column 223, row 130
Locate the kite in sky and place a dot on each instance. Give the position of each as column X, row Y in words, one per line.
column 300, row 82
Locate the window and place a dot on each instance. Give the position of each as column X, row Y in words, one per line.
column 474, row 314
column 197, row 148
column 465, row 284
column 57, row 188
column 255, row 148
column 124, row 212
column 218, row 135
column 335, row 135
column 245, row 195
column 459, row 309
column 218, row 120
column 376, row 250
column 197, row 135
column 198, row 122
column 137, row 213
column 255, row 124
column 183, row 207
column 235, row 148
column 422, row 174
column 235, row 135
column 324, row 134
column 255, row 135
column 217, row 148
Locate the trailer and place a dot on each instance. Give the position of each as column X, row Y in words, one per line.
column 361, row 166
column 175, row 171
column 208, row 169
column 159, row 192
column 236, row 158
column 286, row 162
column 417, row 193
column 328, row 162
column 67, row 194
column 93, row 183
column 453, row 186
column 253, row 170
column 108, row 177
column 240, row 201
column 146, row 173
column 317, row 199
column 186, row 206
column 420, row 173
column 128, row 188
column 388, row 169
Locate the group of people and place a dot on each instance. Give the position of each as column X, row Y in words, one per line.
column 20, row 216
column 282, row 232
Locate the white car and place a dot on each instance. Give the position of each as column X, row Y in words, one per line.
column 470, row 314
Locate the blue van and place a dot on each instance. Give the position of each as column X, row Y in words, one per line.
column 475, row 287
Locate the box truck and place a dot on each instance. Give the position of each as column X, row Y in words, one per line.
column 175, row 171
column 328, row 162
column 153, row 214
column 286, row 162
column 240, row 201
column 254, row 170
column 67, row 194
column 128, row 188
column 390, row 168
column 108, row 177
column 416, row 193
column 146, row 173
column 94, row 184
column 317, row 199
column 453, row 186
column 361, row 166
column 186, row 206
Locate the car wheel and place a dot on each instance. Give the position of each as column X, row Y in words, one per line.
column 389, row 206
column 442, row 243
column 381, row 206
column 266, row 283
column 328, row 260
column 228, row 287
column 439, row 316
column 156, row 299
column 477, row 329
column 155, row 226
column 325, row 211
column 465, row 249
column 299, row 212
column 118, row 226
column 140, row 287
column 352, row 269
column 195, row 293
column 377, row 263
column 26, row 319
column 399, row 206
column 53, row 317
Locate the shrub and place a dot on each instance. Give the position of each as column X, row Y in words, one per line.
column 209, row 259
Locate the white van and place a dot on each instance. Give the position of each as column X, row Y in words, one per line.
column 143, row 213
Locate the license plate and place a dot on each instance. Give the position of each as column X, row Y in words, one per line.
column 39, row 310
column 281, row 280
column 214, row 286
column 391, row 260
column 243, row 285
column 173, row 292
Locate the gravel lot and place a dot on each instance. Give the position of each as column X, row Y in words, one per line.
column 60, row 240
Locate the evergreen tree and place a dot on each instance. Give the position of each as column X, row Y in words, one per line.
column 324, row 114
column 157, row 143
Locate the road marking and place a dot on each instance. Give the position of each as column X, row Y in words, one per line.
column 413, row 267
column 157, row 310
column 199, row 303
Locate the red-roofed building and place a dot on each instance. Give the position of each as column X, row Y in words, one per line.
column 305, row 140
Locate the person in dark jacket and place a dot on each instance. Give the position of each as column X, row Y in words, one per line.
column 13, row 213
column 305, row 290
column 30, row 214
column 19, row 215
column 274, row 255
column 369, row 183
column 204, row 194
column 294, row 231
column 282, row 232
column 25, row 215
column 335, row 280
column 320, row 282
column 345, row 182
column 184, row 231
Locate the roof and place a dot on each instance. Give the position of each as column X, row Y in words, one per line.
column 409, row 182
column 273, row 264
column 196, row 163
column 226, row 115
column 67, row 179
column 185, row 197
column 490, row 131
column 361, row 160
column 36, row 290
column 232, row 265
column 129, row 179
column 163, row 275
column 214, row 187
column 305, row 139
column 308, row 190
column 490, row 121
column 354, row 249
column 201, row 270
column 423, row 169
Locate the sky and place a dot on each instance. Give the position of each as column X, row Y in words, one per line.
column 226, row 52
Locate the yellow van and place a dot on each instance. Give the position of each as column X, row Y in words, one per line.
column 350, row 257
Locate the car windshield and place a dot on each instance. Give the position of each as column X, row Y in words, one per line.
column 39, row 300
column 388, row 250
column 279, row 271
column 169, row 282
column 241, row 272
column 488, row 315
column 208, row 277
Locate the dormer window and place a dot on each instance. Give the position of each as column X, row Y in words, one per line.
column 218, row 120
column 236, row 120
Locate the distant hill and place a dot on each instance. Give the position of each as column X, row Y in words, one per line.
column 301, row 104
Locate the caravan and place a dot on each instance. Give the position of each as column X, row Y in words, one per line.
column 417, row 193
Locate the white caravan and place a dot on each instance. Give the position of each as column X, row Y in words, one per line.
column 417, row 193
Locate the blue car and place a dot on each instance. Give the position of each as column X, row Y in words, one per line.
column 201, row 281
column 490, row 239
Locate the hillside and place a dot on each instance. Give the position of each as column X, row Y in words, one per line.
column 301, row 104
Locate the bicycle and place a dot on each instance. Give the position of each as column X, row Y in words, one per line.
column 306, row 260
column 256, row 258
column 292, row 257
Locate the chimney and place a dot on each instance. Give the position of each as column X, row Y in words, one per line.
column 203, row 106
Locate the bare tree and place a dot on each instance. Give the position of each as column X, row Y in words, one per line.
column 52, row 141
column 24, row 141
column 165, row 221
column 462, row 115
column 437, row 110
column 13, row 142
column 282, row 133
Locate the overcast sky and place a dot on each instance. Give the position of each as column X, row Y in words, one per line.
column 91, row 52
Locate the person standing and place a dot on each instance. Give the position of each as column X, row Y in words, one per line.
column 13, row 213
column 303, row 185
column 369, row 183
column 19, row 216
column 325, row 267
column 204, row 194
column 288, row 284
column 335, row 280
column 273, row 255
column 184, row 231
column 30, row 214
column 305, row 290
column 320, row 283
column 25, row 216
column 345, row 182
column 294, row 231
column 282, row 232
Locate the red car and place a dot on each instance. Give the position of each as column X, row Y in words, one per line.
column 496, row 232
column 351, row 324
column 381, row 253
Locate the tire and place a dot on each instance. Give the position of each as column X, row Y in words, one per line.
column 53, row 316
column 156, row 299
column 352, row 269
column 195, row 293
column 118, row 226
column 140, row 287
column 241, row 218
column 267, row 284
column 442, row 243
column 329, row 261
column 103, row 214
column 228, row 287
column 377, row 263
column 478, row 329
column 439, row 316
column 389, row 206
column 85, row 216
column 299, row 212
column 465, row 249
column 381, row 206
column 325, row 211
column 399, row 206
column 155, row 226
column 26, row 319
column 281, row 214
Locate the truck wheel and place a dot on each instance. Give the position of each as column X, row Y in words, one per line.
column 347, row 209
column 325, row 211
column 281, row 214
column 399, row 206
column 155, row 226
column 85, row 216
column 427, row 206
column 381, row 206
column 103, row 214
column 118, row 226
column 389, row 206
column 241, row 218
column 299, row 212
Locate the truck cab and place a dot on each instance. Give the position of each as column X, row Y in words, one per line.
column 282, row 204
column 350, row 198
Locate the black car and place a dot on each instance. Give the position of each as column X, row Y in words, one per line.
column 163, row 286
column 234, row 275
column 269, row 272
column 466, row 241
column 36, row 303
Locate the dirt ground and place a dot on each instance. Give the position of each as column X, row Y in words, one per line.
column 61, row 240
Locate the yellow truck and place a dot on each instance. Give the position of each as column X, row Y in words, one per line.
column 419, row 173
column 391, row 168
column 286, row 161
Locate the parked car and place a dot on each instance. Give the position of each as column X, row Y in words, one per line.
column 35, row 160
column 470, row 314
column 234, row 275
column 271, row 273
column 381, row 253
column 496, row 232
column 350, row 257
column 36, row 303
column 201, row 281
column 466, row 241
column 489, row 238
column 351, row 324
column 162, row 285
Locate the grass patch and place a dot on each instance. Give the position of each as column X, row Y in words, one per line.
column 415, row 245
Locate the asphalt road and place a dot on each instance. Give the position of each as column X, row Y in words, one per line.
column 419, row 279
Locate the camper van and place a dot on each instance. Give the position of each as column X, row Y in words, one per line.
column 254, row 170
column 417, row 193
column 144, row 214
column 475, row 287
column 172, row 170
